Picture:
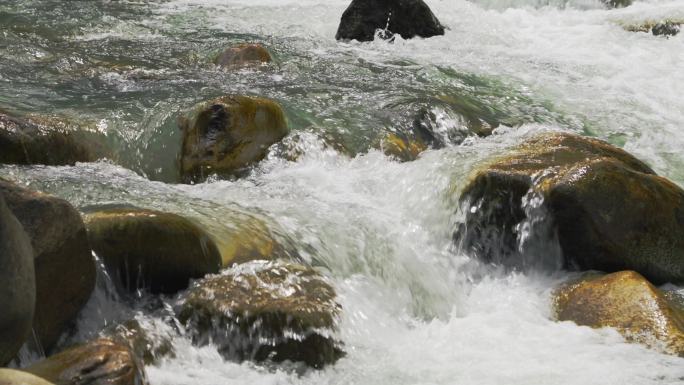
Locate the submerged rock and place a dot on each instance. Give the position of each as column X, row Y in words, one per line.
column 617, row 3
column 150, row 347
column 64, row 266
column 260, row 311
column 243, row 55
column 18, row 377
column 151, row 249
column 402, row 147
column 251, row 240
column 23, row 141
column 228, row 134
column 18, row 291
column 99, row 362
column 627, row 302
column 608, row 210
column 658, row 28
column 408, row 18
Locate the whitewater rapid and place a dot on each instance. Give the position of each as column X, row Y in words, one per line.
column 415, row 310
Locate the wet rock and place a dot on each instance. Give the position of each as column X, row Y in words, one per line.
column 149, row 347
column 617, row 3
column 151, row 249
column 608, row 210
column 250, row 240
column 657, row 28
column 64, row 266
column 260, row 311
column 18, row 291
column 243, row 55
column 666, row 28
column 99, row 362
column 18, row 377
column 226, row 135
column 627, row 302
column 402, row 147
column 25, row 141
column 408, row 18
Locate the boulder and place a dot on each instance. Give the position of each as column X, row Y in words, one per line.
column 262, row 310
column 408, row 18
column 627, row 302
column 608, row 210
column 99, row 362
column 64, row 266
column 243, row 55
column 228, row 134
column 18, row 377
column 150, row 249
column 150, row 347
column 18, row 291
column 250, row 240
column 24, row 141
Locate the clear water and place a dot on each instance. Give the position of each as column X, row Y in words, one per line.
column 415, row 311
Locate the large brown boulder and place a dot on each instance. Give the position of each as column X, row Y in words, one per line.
column 408, row 18
column 18, row 290
column 608, row 210
column 627, row 302
column 99, row 362
column 265, row 311
column 226, row 135
column 151, row 249
column 243, row 55
column 250, row 240
column 18, row 377
column 64, row 266
column 23, row 141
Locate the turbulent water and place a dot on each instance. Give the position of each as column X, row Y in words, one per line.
column 416, row 311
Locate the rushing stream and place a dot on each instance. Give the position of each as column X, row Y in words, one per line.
column 416, row 311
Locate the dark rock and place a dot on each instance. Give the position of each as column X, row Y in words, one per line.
column 408, row 18
column 243, row 55
column 64, row 266
column 260, row 311
column 18, row 377
column 608, row 210
column 151, row 249
column 27, row 142
column 666, row 28
column 627, row 302
column 617, row 3
column 99, row 362
column 18, row 291
column 228, row 134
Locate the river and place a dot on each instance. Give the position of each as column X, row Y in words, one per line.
column 415, row 310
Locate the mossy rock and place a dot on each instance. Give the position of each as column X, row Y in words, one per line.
column 150, row 249
column 250, row 240
column 64, row 266
column 18, row 377
column 41, row 141
column 627, row 302
column 148, row 346
column 243, row 55
column 18, row 293
column 609, row 210
column 408, row 18
column 226, row 135
column 99, row 362
column 260, row 311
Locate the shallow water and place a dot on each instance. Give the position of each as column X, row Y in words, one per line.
column 415, row 310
